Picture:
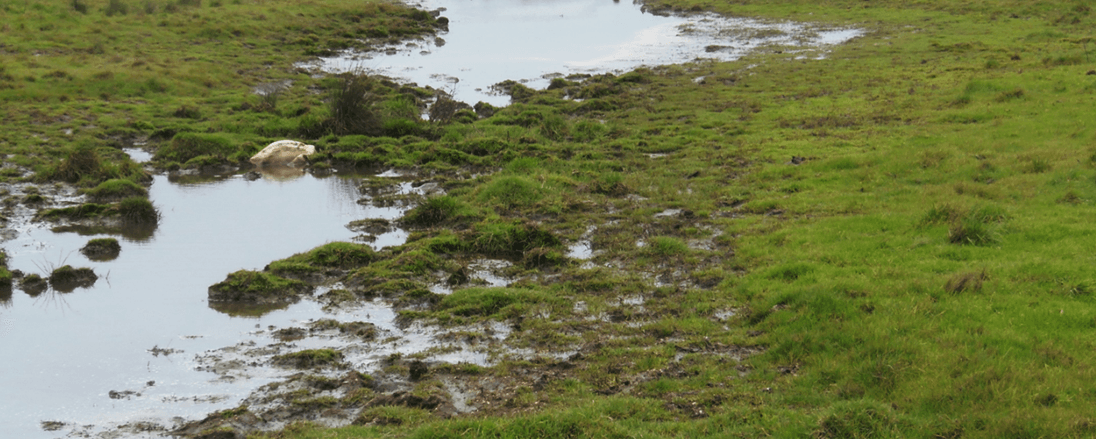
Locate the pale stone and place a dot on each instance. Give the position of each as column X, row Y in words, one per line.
column 284, row 152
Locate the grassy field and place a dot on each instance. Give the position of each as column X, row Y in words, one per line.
column 892, row 241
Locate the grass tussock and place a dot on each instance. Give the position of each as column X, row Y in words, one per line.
column 116, row 189
column 352, row 105
column 966, row 282
column 101, row 249
column 310, row 358
column 138, row 211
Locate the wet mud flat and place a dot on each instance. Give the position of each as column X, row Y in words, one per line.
column 382, row 350
column 357, row 343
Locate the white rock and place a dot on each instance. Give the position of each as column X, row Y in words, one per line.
column 284, row 152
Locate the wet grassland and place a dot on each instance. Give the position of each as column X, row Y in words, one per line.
column 890, row 241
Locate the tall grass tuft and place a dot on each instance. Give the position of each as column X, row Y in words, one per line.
column 138, row 211
column 352, row 106
column 434, row 211
column 970, row 231
column 966, row 282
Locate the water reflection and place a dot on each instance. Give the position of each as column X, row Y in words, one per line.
column 5, row 296
column 133, row 233
column 67, row 346
column 247, row 309
column 533, row 41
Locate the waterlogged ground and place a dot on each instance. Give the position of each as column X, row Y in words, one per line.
column 534, row 41
column 141, row 352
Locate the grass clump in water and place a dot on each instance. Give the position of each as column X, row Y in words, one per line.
column 186, row 146
column 83, row 211
column 138, row 211
column 66, row 278
column 438, row 210
column 335, row 255
column 84, row 165
column 311, row 358
column 101, row 249
column 340, row 255
column 255, row 287
column 5, row 275
column 116, row 189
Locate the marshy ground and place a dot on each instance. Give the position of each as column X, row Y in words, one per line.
column 892, row 241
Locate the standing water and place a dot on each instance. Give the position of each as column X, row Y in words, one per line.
column 140, row 326
column 130, row 348
column 533, row 41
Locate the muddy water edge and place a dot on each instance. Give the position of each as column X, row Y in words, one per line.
column 131, row 348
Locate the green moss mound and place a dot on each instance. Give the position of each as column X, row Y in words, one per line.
column 138, row 211
column 186, row 146
column 253, row 287
column 66, row 278
column 311, row 358
column 116, row 189
column 101, row 249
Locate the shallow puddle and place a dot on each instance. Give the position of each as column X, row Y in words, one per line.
column 532, row 41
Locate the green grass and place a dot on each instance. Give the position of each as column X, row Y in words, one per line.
column 309, row 358
column 138, row 211
column 116, row 189
column 256, row 287
column 924, row 272
column 5, row 275
column 490, row 301
column 168, row 69
column 101, row 249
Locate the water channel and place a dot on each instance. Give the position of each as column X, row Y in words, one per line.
column 131, row 347
column 533, row 41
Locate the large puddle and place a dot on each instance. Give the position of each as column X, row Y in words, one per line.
column 140, row 327
column 142, row 344
column 532, row 41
